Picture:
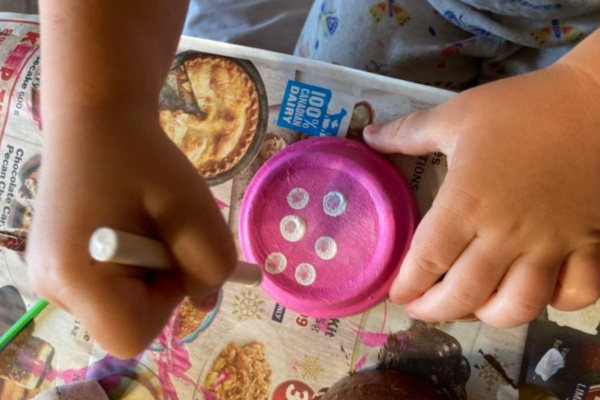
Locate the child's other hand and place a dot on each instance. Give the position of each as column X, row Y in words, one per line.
column 117, row 168
column 516, row 224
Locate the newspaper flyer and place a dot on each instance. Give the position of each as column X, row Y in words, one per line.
column 251, row 347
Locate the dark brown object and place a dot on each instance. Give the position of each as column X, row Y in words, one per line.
column 530, row 392
column 431, row 354
column 382, row 385
column 181, row 109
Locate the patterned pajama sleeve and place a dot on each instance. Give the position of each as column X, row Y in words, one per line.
column 453, row 44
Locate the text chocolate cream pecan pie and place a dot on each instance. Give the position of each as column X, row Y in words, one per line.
column 211, row 109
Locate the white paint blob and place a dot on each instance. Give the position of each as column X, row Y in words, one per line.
column 305, row 274
column 549, row 364
column 275, row 263
column 334, row 204
column 326, row 248
column 298, row 198
column 293, row 228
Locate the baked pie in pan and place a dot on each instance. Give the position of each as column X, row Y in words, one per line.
column 214, row 109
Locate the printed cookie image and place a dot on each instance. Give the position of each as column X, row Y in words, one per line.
column 241, row 373
column 20, row 217
column 214, row 109
column 29, row 176
column 362, row 116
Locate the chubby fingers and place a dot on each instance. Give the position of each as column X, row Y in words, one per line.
column 441, row 237
column 445, row 231
column 107, row 298
column 470, row 282
column 525, row 290
column 448, row 228
column 418, row 133
column 578, row 283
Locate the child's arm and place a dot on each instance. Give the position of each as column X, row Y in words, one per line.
column 106, row 162
column 516, row 224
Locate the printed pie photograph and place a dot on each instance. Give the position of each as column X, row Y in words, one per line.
column 214, row 108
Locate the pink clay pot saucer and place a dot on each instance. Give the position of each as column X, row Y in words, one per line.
column 330, row 221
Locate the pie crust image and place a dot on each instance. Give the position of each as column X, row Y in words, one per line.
column 214, row 109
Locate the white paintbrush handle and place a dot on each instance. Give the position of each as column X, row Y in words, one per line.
column 111, row 245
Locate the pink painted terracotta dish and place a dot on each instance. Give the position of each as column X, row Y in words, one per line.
column 329, row 220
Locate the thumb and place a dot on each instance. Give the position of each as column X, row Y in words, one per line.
column 415, row 134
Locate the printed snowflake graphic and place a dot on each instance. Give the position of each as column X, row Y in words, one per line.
column 490, row 373
column 311, row 368
column 248, row 305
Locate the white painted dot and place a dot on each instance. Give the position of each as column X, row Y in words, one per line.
column 326, row 248
column 305, row 274
column 293, row 228
column 298, row 198
column 335, row 204
column 275, row 263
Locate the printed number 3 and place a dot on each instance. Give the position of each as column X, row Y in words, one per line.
column 292, row 393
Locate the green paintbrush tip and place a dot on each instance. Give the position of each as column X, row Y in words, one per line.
column 18, row 326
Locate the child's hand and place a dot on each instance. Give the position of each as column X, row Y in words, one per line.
column 117, row 168
column 107, row 162
column 516, row 224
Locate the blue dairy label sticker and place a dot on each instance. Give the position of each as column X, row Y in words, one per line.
column 305, row 108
